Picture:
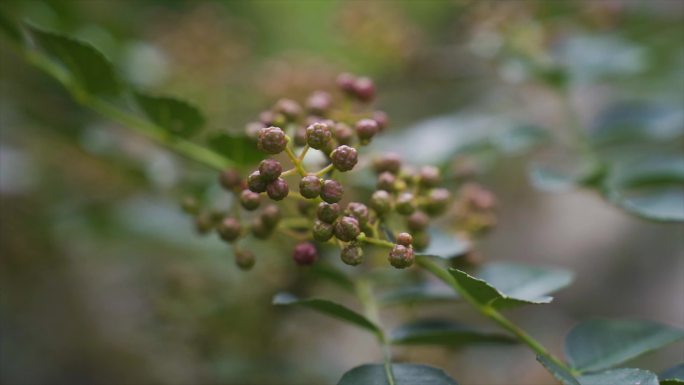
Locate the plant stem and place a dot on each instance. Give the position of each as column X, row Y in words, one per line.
column 374, row 241
column 295, row 160
column 488, row 311
column 325, row 170
column 365, row 293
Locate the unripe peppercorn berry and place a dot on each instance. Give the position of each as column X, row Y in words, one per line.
column 310, row 186
column 346, row 229
column 421, row 240
column 405, row 205
column 259, row 228
column 271, row 140
column 252, row 129
column 322, row 231
column 318, row 135
column 332, row 191
column 229, row 229
column 230, row 179
column 364, row 89
column 346, row 82
column 319, row 103
column 429, row 176
column 305, row 253
column 244, row 259
column 344, row 158
column 366, row 129
column 358, row 211
column 270, row 216
column 352, row 255
column 381, row 202
column 389, row 162
column 278, row 189
column 404, row 239
column 382, row 119
column 270, row 169
column 256, row 183
column 288, row 108
column 401, row 256
column 203, row 223
column 250, row 200
column 300, row 136
column 417, row 221
column 343, row 133
column 328, row 212
column 437, row 201
column 190, row 205
column 386, row 181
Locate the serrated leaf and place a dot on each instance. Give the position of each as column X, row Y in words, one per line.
column 602, row 343
column 238, row 148
column 673, row 375
column 87, row 67
column 523, row 285
column 404, row 374
column 445, row 333
column 524, row 281
column 559, row 373
column 174, row 115
column 445, row 246
column 624, row 376
column 418, row 293
column 330, row 308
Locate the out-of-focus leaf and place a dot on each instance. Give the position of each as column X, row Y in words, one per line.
column 444, row 332
column 602, row 343
column 532, row 290
column 558, row 372
column 445, row 246
column 519, row 139
column 404, row 374
column 673, row 375
column 636, row 122
column 651, row 188
column 238, row 148
column 330, row 308
column 419, row 293
column 174, row 115
column 88, row 68
column 333, row 275
column 563, row 172
column 9, row 27
column 524, row 281
column 624, row 376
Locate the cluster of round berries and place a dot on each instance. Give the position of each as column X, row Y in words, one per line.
column 290, row 130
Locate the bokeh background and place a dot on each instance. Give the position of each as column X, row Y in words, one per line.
column 105, row 282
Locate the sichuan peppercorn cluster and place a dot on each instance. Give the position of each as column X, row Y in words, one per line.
column 338, row 125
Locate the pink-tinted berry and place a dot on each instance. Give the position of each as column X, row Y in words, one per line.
column 401, row 256
column 270, row 169
column 305, row 253
column 278, row 189
column 271, row 140
column 332, row 191
column 344, row 158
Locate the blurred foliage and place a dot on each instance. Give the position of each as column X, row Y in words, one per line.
column 102, row 278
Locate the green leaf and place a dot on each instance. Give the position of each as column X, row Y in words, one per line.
column 418, row 293
column 559, row 373
column 9, row 27
column 88, row 68
column 563, row 173
column 650, row 188
column 404, row 374
column 174, row 115
column 519, row 139
column 525, row 282
column 636, row 122
column 445, row 246
column 444, row 332
column 602, row 343
column 673, row 375
column 620, row 377
column 520, row 284
column 332, row 274
column 238, row 148
column 329, row 308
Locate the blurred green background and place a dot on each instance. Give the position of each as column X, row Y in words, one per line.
column 105, row 282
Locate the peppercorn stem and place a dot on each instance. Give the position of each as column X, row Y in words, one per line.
column 295, row 161
column 289, row 172
column 303, row 153
column 489, row 311
column 325, row 170
column 374, row 241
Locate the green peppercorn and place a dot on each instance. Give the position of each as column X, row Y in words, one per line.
column 418, row 221
column 190, row 205
column 229, row 229
column 332, row 191
column 259, row 228
column 346, row 229
column 322, row 231
column 270, row 216
column 203, row 223
column 328, row 212
column 318, row 135
column 366, row 129
column 389, row 162
column 429, row 176
column 278, row 189
column 404, row 239
column 352, row 255
column 381, row 202
column 437, row 201
column 358, row 211
column 244, row 259
column 401, row 256
column 230, row 179
column 386, row 181
column 256, row 183
column 421, row 240
column 344, row 158
column 310, row 186
column 250, row 200
column 271, row 140
column 270, row 170
column 406, row 204
column 343, row 133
